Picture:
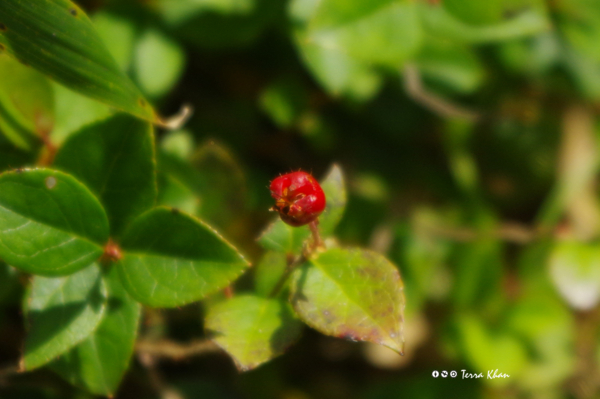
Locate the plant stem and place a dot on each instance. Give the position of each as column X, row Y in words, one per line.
column 317, row 242
column 314, row 229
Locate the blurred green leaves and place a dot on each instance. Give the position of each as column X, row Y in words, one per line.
column 26, row 104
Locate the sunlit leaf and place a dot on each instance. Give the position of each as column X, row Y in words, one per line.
column 26, row 103
column 439, row 22
column 386, row 32
column 353, row 294
column 487, row 351
column 159, row 62
column 575, row 271
column 251, row 329
column 50, row 223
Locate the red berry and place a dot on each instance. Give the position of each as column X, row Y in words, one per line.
column 299, row 198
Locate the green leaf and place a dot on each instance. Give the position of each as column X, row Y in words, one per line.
column 285, row 238
column 252, row 330
column 220, row 30
column 453, row 65
column 353, row 294
column 575, row 271
column 284, row 100
column 478, row 12
column 177, row 11
column 486, row 350
column 171, row 259
column 339, row 73
column 439, row 22
column 99, row 363
column 62, row 312
column 26, row 103
column 118, row 34
column 74, row 111
column 57, row 38
column 579, row 23
column 175, row 194
column 268, row 272
column 386, row 32
column 50, row 223
column 115, row 159
column 159, row 62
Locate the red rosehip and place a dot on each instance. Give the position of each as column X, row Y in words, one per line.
column 299, row 198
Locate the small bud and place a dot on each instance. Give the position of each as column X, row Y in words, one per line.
column 299, row 198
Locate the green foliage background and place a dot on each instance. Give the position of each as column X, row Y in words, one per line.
column 468, row 134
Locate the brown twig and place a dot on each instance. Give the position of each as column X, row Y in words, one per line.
column 9, row 370
column 294, row 261
column 172, row 350
column 510, row 232
column 417, row 91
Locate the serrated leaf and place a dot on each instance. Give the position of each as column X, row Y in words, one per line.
column 171, row 259
column 26, row 103
column 62, row 312
column 385, row 32
column 57, row 38
column 115, row 159
column 50, row 223
column 98, row 363
column 253, row 330
column 284, row 238
column 353, row 294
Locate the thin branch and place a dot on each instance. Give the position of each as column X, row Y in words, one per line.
column 438, row 105
column 174, row 350
column 9, row 370
column 510, row 232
